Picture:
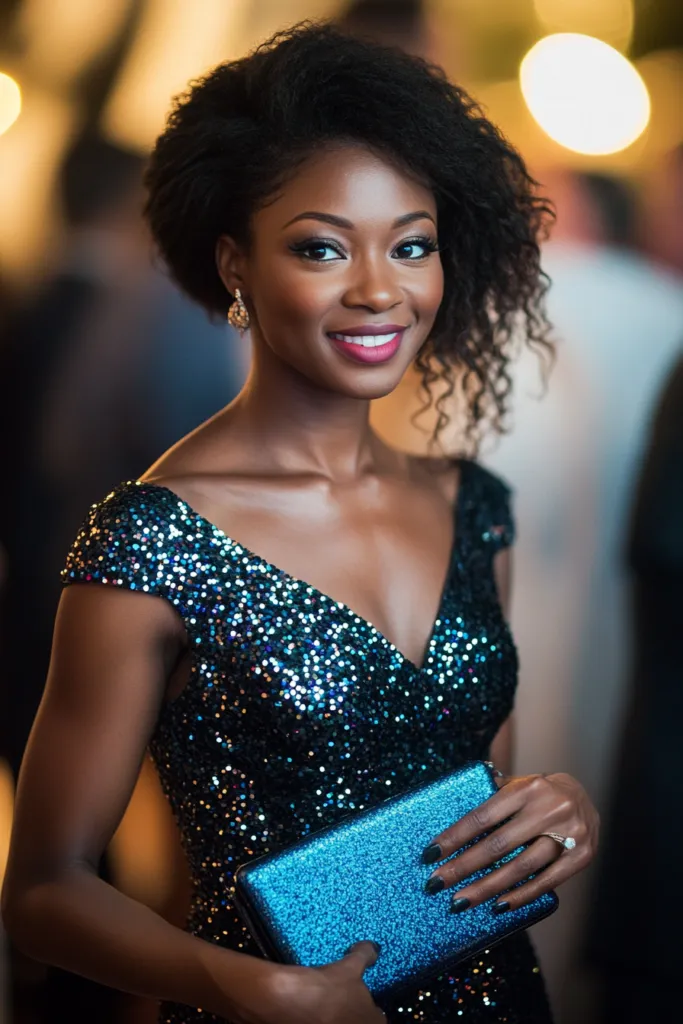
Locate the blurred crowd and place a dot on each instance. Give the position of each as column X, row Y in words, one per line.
column 104, row 365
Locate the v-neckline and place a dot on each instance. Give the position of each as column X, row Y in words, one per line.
column 320, row 594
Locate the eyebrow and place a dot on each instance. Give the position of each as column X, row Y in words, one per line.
column 342, row 222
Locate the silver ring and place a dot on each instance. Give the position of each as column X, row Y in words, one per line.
column 567, row 842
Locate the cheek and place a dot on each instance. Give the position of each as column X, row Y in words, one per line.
column 298, row 295
column 429, row 294
column 436, row 286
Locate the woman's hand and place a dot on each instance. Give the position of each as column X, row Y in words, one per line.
column 534, row 804
column 333, row 994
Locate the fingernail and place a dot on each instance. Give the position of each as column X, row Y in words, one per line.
column 500, row 908
column 459, row 904
column 435, row 884
column 431, row 854
column 377, row 948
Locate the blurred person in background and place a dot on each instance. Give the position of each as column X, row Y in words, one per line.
column 661, row 224
column 356, row 222
column 100, row 197
column 634, row 938
column 576, row 456
column 104, row 368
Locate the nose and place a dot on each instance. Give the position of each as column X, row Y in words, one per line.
column 373, row 285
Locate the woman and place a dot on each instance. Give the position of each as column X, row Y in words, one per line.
column 358, row 213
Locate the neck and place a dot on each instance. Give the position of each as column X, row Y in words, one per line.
column 303, row 427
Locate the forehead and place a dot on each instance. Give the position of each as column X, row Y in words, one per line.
column 351, row 182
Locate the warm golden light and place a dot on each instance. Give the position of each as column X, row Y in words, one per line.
column 6, row 811
column 29, row 156
column 662, row 72
column 172, row 46
column 10, row 102
column 609, row 20
column 584, row 94
column 60, row 40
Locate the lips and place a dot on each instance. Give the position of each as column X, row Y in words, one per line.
column 369, row 343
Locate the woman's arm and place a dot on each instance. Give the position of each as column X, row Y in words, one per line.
column 112, row 656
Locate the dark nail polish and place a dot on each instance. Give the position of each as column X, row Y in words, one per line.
column 459, row 904
column 435, row 884
column 500, row 908
column 431, row 854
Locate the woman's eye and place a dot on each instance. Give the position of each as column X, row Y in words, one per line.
column 322, row 251
column 415, row 249
column 318, row 252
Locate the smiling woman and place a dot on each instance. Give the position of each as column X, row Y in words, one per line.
column 290, row 614
column 238, row 135
column 351, row 255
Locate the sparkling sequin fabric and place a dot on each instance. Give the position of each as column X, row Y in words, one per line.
column 299, row 712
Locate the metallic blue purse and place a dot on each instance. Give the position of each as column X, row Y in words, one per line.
column 363, row 878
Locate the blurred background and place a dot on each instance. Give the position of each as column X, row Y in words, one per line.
column 103, row 365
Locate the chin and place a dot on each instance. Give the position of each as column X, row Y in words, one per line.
column 368, row 385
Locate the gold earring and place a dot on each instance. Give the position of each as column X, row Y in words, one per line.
column 238, row 315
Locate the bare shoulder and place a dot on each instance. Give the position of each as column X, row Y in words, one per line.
column 200, row 464
column 224, row 475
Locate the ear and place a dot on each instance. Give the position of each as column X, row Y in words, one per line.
column 230, row 263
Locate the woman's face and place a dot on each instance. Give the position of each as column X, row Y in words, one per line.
column 341, row 277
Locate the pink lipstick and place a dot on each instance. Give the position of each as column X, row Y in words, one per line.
column 369, row 343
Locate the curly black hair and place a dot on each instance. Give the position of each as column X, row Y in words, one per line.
column 236, row 135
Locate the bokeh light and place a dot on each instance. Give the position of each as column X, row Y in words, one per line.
column 609, row 20
column 10, row 102
column 61, row 40
column 6, row 810
column 29, row 156
column 662, row 72
column 172, row 46
column 584, row 93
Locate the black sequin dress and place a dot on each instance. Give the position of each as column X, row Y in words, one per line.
column 299, row 711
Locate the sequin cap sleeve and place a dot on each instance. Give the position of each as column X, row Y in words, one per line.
column 125, row 541
column 487, row 507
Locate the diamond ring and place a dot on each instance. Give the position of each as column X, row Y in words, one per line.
column 567, row 842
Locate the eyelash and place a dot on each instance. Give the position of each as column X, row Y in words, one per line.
column 302, row 248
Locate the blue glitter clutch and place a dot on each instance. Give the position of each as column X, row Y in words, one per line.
column 363, row 878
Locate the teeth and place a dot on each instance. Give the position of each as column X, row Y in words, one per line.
column 366, row 340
